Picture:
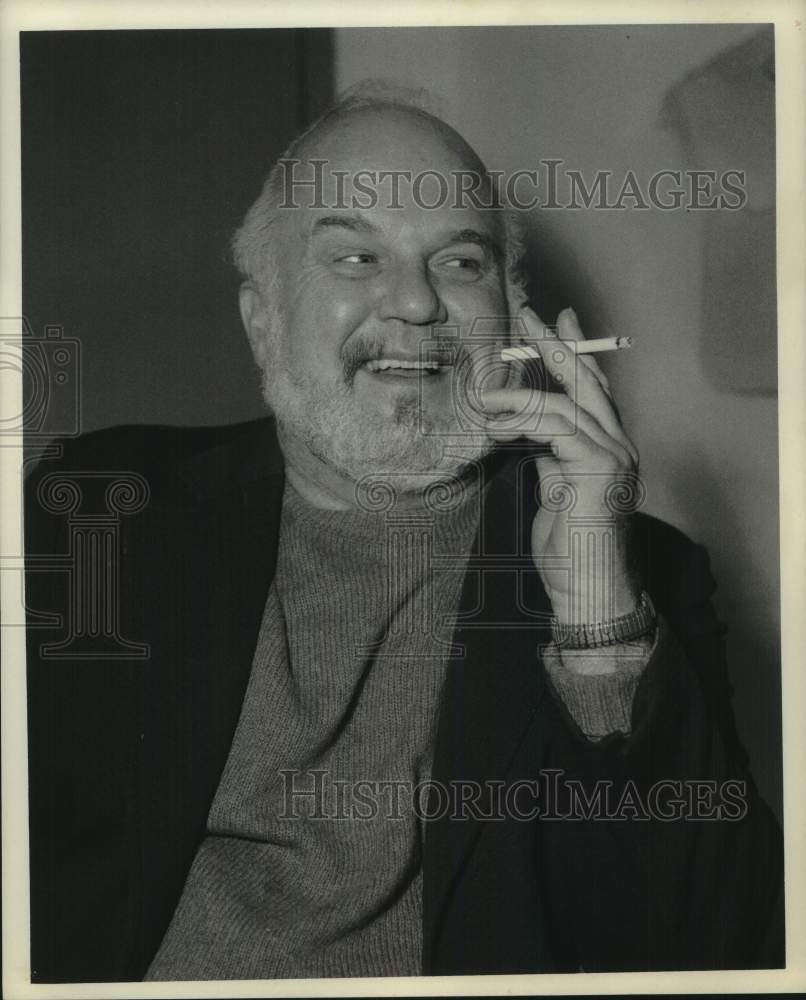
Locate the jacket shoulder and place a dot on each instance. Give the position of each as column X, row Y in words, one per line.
column 145, row 447
column 172, row 460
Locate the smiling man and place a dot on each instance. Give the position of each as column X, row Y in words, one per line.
column 339, row 302
column 424, row 693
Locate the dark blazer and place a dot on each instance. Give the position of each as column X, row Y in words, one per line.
column 150, row 552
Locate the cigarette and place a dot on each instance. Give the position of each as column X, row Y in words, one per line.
column 580, row 347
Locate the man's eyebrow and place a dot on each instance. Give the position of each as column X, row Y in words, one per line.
column 357, row 224
column 352, row 222
column 485, row 240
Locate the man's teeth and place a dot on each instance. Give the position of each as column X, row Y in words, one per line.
column 384, row 364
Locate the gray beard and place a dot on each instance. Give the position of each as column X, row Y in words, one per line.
column 410, row 452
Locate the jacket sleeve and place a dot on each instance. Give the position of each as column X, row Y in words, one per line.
column 662, row 855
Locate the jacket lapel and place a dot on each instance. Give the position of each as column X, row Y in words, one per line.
column 494, row 687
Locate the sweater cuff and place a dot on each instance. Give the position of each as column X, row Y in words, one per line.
column 599, row 703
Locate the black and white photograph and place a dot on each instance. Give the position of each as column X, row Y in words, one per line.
column 398, row 448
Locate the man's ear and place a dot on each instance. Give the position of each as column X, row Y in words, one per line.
column 254, row 317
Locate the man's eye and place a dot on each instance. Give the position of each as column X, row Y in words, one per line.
column 357, row 258
column 464, row 264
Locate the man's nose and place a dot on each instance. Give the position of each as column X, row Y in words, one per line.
column 412, row 298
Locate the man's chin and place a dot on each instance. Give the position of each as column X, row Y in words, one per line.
column 409, row 449
column 416, row 465
column 406, row 462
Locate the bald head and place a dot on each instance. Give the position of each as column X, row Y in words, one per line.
column 405, row 138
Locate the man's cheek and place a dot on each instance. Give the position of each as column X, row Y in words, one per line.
column 329, row 324
column 476, row 304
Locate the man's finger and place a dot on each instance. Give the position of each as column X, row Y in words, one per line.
column 569, row 369
column 582, row 382
column 551, row 418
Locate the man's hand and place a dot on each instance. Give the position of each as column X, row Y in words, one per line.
column 588, row 477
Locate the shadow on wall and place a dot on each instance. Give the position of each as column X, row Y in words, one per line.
column 724, row 116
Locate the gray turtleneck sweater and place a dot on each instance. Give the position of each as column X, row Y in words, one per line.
column 311, row 866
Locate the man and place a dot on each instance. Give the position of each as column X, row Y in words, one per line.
column 400, row 639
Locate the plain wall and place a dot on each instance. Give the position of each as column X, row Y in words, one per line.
column 598, row 98
column 141, row 151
